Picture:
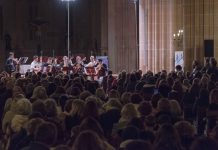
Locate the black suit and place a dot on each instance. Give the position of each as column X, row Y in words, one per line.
column 10, row 65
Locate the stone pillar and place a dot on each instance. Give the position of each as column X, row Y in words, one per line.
column 104, row 27
column 215, row 22
column 143, row 40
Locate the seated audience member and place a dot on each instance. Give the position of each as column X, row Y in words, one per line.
column 186, row 132
column 129, row 134
column 139, row 145
column 127, row 113
column 212, row 112
column 167, row 138
column 75, row 115
column 62, row 147
column 89, row 140
column 44, row 138
column 39, row 92
column 204, row 143
column 24, row 141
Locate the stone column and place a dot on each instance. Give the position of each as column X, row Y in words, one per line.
column 104, row 27
column 189, row 36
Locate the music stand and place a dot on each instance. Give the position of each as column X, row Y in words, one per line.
column 22, row 60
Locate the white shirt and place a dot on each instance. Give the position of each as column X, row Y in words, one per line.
column 34, row 64
column 91, row 64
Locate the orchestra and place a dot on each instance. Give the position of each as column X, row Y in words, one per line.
column 95, row 69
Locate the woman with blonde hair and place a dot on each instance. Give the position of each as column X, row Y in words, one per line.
column 112, row 103
column 128, row 112
column 39, row 92
column 17, row 93
column 17, row 115
column 125, row 98
column 75, row 116
column 175, row 108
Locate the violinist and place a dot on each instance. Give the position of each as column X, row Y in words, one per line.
column 47, row 66
column 92, row 62
column 66, row 64
column 11, row 63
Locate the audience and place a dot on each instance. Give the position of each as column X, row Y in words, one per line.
column 134, row 111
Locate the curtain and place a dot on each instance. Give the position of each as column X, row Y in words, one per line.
column 156, row 27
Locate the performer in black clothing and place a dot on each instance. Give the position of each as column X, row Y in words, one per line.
column 11, row 62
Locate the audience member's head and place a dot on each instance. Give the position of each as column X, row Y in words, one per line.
column 175, row 108
column 167, row 138
column 39, row 92
column 77, row 108
column 23, row 107
column 138, row 145
column 91, row 124
column 136, row 98
column 213, row 96
column 100, row 94
column 83, row 95
column 164, row 105
column 90, row 109
column 130, row 132
column 88, row 140
column 204, row 143
column 128, row 112
column 125, row 98
column 51, row 108
column 145, row 108
column 112, row 103
column 32, row 125
column 39, row 106
column 46, row 133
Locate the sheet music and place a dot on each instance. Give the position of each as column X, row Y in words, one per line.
column 22, row 60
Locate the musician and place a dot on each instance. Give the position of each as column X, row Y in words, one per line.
column 78, row 65
column 47, row 66
column 101, row 68
column 66, row 62
column 35, row 65
column 92, row 62
column 11, row 63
